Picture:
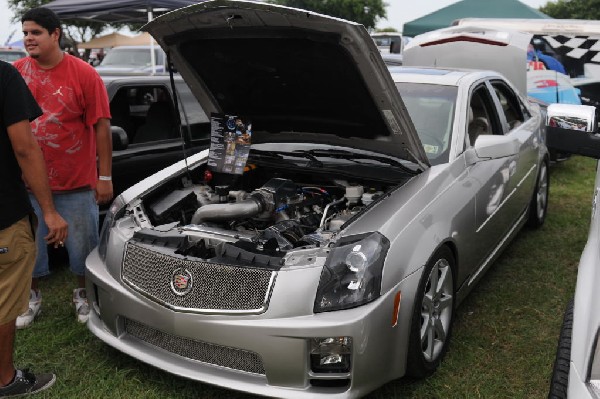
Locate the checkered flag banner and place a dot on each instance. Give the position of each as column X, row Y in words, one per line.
column 584, row 48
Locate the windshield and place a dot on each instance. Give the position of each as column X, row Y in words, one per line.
column 130, row 57
column 431, row 108
column 11, row 56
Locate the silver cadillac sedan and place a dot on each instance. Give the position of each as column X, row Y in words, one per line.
column 322, row 244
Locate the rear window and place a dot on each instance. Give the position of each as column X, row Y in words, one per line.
column 11, row 55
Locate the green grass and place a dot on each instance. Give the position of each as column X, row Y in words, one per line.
column 503, row 343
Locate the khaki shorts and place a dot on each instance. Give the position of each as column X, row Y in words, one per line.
column 17, row 257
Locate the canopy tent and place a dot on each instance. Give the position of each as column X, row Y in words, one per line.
column 110, row 40
column 138, row 40
column 117, row 39
column 444, row 17
column 16, row 43
column 115, row 11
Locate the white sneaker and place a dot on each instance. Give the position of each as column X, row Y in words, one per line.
column 35, row 308
column 82, row 308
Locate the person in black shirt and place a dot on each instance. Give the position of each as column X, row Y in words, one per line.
column 21, row 161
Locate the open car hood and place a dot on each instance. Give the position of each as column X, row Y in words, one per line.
column 296, row 75
column 471, row 47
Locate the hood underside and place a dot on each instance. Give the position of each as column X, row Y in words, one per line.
column 296, row 75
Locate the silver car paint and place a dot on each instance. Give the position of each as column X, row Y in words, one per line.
column 279, row 334
column 444, row 205
column 586, row 318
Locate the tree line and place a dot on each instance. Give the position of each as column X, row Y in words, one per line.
column 365, row 12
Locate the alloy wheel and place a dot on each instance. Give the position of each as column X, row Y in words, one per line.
column 436, row 310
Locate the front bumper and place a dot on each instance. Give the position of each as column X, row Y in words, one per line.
column 265, row 354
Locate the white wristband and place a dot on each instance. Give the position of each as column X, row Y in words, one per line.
column 105, row 178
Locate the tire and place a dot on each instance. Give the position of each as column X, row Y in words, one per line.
column 433, row 315
column 560, row 372
column 538, row 207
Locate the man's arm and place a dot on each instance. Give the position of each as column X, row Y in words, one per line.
column 30, row 159
column 104, row 188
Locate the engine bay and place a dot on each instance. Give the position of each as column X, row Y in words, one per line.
column 257, row 217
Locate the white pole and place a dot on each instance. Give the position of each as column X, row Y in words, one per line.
column 152, row 57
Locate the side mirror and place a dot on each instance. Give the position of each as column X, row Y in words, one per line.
column 120, row 140
column 572, row 117
column 571, row 129
column 489, row 146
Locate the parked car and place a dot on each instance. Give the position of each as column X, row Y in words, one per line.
column 10, row 55
column 389, row 42
column 391, row 59
column 132, row 60
column 369, row 206
column 146, row 130
column 576, row 372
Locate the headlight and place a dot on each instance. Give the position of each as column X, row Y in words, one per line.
column 352, row 273
column 115, row 212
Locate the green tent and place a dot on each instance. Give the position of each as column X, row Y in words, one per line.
column 470, row 9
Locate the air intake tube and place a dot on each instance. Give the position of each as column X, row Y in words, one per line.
column 261, row 203
column 229, row 211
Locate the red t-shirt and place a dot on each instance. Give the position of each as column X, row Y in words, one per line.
column 73, row 98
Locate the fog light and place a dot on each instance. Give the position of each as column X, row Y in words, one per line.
column 330, row 355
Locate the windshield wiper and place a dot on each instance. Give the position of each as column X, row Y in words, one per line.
column 313, row 161
column 353, row 156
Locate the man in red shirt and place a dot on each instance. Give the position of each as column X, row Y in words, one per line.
column 74, row 129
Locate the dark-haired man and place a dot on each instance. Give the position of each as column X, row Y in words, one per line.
column 20, row 156
column 73, row 130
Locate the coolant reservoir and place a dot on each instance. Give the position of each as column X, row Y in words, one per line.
column 369, row 197
column 354, row 193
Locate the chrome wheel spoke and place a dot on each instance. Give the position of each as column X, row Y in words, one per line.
column 542, row 194
column 440, row 330
column 446, row 303
column 425, row 329
column 443, row 278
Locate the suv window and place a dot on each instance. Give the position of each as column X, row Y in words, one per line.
column 144, row 112
column 12, row 55
column 191, row 111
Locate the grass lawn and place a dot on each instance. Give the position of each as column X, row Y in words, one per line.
column 503, row 343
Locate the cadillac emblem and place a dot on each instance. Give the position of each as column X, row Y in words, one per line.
column 181, row 281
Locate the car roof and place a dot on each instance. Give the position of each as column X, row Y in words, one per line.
column 18, row 50
column 439, row 76
column 137, row 47
column 139, row 79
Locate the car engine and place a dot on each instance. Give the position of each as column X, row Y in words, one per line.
column 260, row 216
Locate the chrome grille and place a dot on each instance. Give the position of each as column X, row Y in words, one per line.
column 215, row 287
column 218, row 355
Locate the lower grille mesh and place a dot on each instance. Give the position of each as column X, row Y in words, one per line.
column 218, row 355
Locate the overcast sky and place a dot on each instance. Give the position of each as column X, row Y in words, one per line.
column 398, row 11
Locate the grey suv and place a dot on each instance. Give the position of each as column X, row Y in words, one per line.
column 128, row 60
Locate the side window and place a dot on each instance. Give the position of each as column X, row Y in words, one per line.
column 145, row 113
column 511, row 106
column 481, row 118
column 191, row 113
